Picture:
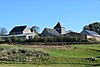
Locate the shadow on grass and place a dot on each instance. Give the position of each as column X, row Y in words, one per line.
column 95, row 50
column 95, row 65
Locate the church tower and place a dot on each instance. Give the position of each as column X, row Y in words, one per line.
column 59, row 28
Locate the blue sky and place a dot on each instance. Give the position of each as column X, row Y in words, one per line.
column 73, row 14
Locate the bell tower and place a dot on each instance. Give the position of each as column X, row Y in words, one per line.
column 59, row 28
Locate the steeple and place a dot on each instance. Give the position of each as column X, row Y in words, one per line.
column 58, row 25
column 60, row 28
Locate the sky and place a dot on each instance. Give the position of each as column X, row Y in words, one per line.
column 72, row 14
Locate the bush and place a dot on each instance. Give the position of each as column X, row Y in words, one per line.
column 23, row 55
column 92, row 40
column 48, row 39
column 56, row 39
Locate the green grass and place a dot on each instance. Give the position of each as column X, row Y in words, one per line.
column 32, row 65
column 93, row 46
column 76, row 51
column 66, row 56
column 16, row 65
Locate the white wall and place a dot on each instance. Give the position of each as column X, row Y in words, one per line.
column 27, row 30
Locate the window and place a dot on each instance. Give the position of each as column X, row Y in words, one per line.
column 30, row 37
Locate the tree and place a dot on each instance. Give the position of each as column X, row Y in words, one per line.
column 35, row 29
column 93, row 27
column 3, row 31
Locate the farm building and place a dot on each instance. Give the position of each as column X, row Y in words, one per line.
column 60, row 29
column 91, row 34
column 25, row 32
column 22, row 32
column 75, row 34
column 57, row 31
column 50, row 32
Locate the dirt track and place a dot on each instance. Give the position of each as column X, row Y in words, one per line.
column 41, row 46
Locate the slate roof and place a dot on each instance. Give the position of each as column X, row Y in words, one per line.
column 58, row 25
column 92, row 33
column 51, row 32
column 18, row 29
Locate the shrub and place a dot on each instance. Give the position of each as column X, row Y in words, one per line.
column 23, row 55
column 56, row 39
column 92, row 40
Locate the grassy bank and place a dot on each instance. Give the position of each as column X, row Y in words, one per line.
column 32, row 65
column 66, row 55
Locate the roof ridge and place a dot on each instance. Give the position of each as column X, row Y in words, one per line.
column 21, row 26
column 58, row 25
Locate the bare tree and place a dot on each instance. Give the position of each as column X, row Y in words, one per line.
column 35, row 29
column 3, row 31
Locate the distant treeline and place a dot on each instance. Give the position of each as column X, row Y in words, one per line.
column 56, row 40
column 47, row 39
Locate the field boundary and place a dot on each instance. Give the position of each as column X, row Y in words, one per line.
column 53, row 43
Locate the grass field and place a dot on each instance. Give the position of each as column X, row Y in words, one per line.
column 32, row 65
column 63, row 56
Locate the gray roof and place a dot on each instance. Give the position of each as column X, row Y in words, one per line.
column 18, row 29
column 58, row 25
column 50, row 32
column 92, row 33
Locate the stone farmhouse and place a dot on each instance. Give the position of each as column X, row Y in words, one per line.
column 91, row 35
column 58, row 30
column 23, row 32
